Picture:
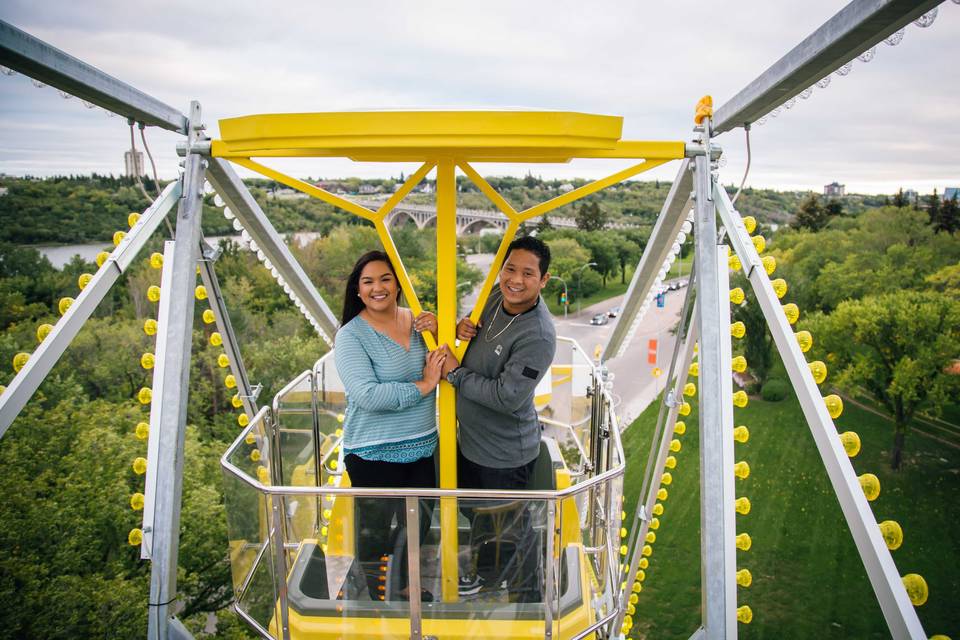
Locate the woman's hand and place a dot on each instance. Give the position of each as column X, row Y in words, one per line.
column 426, row 321
column 431, row 371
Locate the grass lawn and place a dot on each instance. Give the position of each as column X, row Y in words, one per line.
column 808, row 581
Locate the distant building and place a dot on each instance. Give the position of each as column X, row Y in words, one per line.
column 910, row 196
column 835, row 190
column 3, row 191
column 369, row 189
column 566, row 187
column 950, row 193
column 133, row 164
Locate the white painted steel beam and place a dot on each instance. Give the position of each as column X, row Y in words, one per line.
column 662, row 237
column 898, row 611
column 228, row 184
column 853, row 30
column 178, row 341
column 35, row 58
column 42, row 360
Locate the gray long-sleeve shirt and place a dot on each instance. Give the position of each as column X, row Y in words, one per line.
column 496, row 383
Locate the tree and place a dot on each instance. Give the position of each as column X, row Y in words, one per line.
column 590, row 217
column 628, row 252
column 543, row 224
column 811, row 214
column 933, row 209
column 603, row 251
column 897, row 346
column 899, row 200
column 949, row 218
column 833, row 208
column 757, row 343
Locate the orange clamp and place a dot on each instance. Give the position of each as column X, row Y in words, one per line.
column 704, row 109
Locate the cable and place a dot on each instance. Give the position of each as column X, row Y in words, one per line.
column 136, row 168
column 156, row 181
column 136, row 173
column 746, row 129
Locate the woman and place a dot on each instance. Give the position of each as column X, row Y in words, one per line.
column 390, row 430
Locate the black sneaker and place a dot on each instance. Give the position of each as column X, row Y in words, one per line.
column 470, row 585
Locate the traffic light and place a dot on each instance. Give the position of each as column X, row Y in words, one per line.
column 563, row 298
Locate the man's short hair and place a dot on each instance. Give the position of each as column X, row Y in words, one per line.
column 535, row 246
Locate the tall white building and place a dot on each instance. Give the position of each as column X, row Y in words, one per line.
column 133, row 164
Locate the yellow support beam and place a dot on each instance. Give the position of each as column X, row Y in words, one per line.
column 447, row 321
column 405, row 189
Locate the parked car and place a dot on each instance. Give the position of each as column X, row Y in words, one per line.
column 600, row 318
column 613, row 313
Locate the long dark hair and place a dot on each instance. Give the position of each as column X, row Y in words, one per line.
column 352, row 304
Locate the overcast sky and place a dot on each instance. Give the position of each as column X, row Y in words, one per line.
column 889, row 123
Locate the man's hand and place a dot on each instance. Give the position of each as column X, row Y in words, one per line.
column 466, row 330
column 450, row 361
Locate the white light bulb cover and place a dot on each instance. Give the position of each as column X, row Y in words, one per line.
column 218, row 201
column 237, row 226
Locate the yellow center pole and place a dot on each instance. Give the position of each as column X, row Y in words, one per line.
column 447, row 321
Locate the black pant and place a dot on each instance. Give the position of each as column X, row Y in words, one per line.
column 504, row 525
column 373, row 516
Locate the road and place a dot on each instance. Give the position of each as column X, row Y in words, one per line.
column 633, row 379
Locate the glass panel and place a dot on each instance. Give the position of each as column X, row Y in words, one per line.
column 258, row 600
column 293, row 417
column 563, row 403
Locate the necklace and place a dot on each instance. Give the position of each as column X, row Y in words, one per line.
column 490, row 338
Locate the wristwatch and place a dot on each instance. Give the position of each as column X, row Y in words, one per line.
column 450, row 374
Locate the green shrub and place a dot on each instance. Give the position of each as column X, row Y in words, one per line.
column 775, row 390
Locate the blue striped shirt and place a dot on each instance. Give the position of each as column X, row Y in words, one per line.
column 386, row 418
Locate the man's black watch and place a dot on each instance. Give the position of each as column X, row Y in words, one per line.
column 451, row 373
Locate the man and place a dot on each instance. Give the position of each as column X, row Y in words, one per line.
column 511, row 348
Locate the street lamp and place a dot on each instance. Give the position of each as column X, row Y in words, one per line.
column 580, row 283
column 565, row 298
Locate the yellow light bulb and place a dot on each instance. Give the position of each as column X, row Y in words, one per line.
column 340, row 418
column 156, row 260
column 3, row 388
column 684, row 409
column 338, row 432
column 118, row 237
column 741, row 470
column 327, row 513
column 153, row 293
column 333, row 464
column 740, row 399
column 631, row 610
column 750, row 223
column 666, row 478
column 656, row 372
column 208, row 317
column 670, row 462
column 135, row 537
column 662, row 494
column 255, row 455
column 805, row 340
column 657, row 509
column 145, row 395
column 834, row 405
column 644, row 563
column 680, row 427
column 223, row 361
column 792, row 312
column 64, row 304
column 43, row 331
column 132, row 218
column 102, row 257
column 150, row 327
column 739, row 364
column 742, row 506
column 147, row 361
column 736, row 295
column 690, row 389
column 136, row 501
column 623, row 549
column 819, row 371
column 738, row 329
column 655, row 522
column 694, row 369
column 916, row 588
column 84, row 280
column 744, row 578
column 236, row 401
column 741, row 434
column 769, row 264
column 733, row 262
column 200, row 293
column 20, row 360
column 230, row 381
column 779, row 287
column 633, row 599
column 651, row 537
column 851, row 443
column 140, row 466
column 759, row 243
column 744, row 614
column 216, row 339
column 263, row 475
column 892, row 534
column 675, row 445
column 623, row 532
column 870, row 485
column 251, row 439
column 243, row 420
column 744, row 542
column 324, row 531
column 647, row 551
column 142, row 431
